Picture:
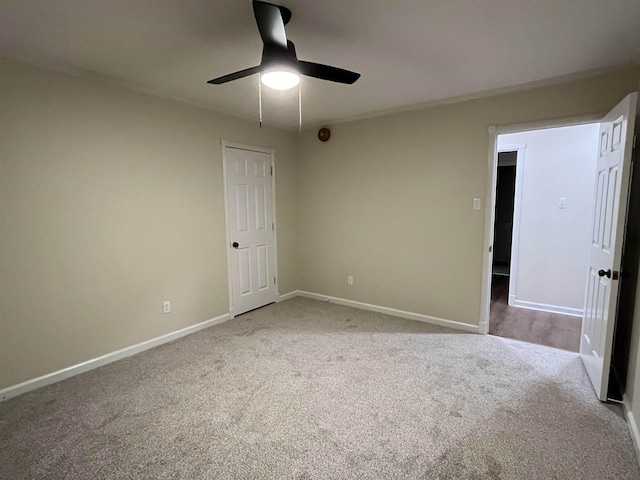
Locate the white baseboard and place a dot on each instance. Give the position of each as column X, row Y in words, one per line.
column 27, row 386
column 543, row 307
column 287, row 296
column 633, row 426
column 24, row 387
column 388, row 311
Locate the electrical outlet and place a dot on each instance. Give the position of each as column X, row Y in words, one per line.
column 562, row 202
column 166, row 307
column 349, row 280
column 477, row 204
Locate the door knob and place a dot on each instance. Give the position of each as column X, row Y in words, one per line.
column 235, row 244
column 602, row 273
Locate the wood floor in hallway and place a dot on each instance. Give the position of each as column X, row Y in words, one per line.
column 542, row 328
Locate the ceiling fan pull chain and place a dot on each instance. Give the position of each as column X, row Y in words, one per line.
column 299, row 107
column 260, row 96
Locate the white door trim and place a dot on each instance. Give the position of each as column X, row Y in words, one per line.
column 487, row 248
column 490, row 195
column 272, row 153
column 517, row 210
column 553, row 123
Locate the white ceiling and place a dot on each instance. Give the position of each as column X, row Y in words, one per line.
column 409, row 52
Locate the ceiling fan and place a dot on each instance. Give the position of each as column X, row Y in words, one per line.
column 280, row 67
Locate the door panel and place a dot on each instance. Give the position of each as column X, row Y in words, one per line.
column 244, row 271
column 599, row 206
column 250, row 216
column 242, row 204
column 609, row 213
column 261, row 207
column 263, row 267
column 613, row 197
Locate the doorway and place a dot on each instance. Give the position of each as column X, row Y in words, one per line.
column 607, row 233
column 504, row 211
column 543, row 204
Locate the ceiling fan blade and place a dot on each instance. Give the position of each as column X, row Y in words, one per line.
column 270, row 24
column 325, row 72
column 286, row 14
column 235, row 76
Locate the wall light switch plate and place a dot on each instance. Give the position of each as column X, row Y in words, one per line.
column 562, row 202
column 166, row 307
column 477, row 204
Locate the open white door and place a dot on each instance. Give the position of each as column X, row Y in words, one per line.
column 609, row 214
column 250, row 229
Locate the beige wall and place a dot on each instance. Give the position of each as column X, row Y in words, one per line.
column 633, row 374
column 111, row 201
column 389, row 200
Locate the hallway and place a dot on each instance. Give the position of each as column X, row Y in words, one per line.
column 542, row 328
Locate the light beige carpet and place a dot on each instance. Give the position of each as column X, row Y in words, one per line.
column 311, row 390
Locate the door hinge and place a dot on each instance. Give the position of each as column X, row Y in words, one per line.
column 272, row 171
column 634, row 140
column 273, row 227
column 274, row 280
column 490, row 248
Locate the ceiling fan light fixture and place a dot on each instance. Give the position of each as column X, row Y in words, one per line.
column 280, row 79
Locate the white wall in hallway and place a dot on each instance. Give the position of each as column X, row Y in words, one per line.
column 554, row 242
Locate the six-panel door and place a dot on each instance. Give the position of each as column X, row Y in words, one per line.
column 607, row 232
column 250, row 216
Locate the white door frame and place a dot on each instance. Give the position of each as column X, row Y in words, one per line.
column 272, row 153
column 490, row 195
